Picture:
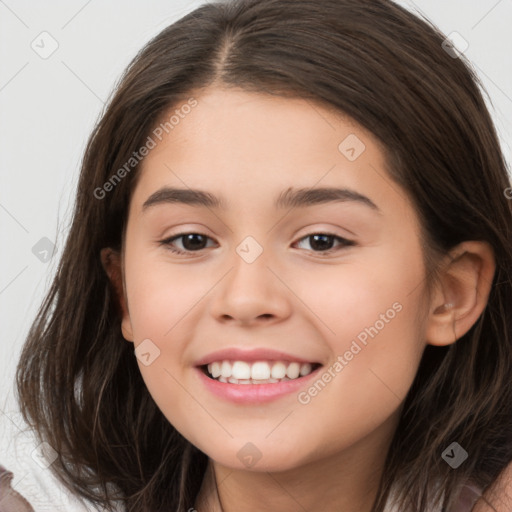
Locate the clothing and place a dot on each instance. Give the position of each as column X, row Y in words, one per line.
column 469, row 495
column 10, row 500
column 467, row 499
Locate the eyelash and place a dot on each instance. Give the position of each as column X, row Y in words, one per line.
column 167, row 242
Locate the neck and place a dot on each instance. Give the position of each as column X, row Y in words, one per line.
column 346, row 481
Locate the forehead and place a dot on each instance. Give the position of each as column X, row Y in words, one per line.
column 239, row 144
column 248, row 123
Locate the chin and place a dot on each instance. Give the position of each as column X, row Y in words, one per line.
column 257, row 458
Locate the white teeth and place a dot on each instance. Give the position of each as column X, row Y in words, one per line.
column 225, row 369
column 258, row 372
column 305, row 369
column 232, row 380
column 293, row 370
column 215, row 371
column 278, row 370
column 241, row 370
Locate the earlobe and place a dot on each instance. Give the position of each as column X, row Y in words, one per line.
column 461, row 292
column 111, row 262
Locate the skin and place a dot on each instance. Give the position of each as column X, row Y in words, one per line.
column 498, row 497
column 327, row 454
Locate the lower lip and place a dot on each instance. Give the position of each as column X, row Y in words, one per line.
column 254, row 393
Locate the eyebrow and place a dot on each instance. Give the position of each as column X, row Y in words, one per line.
column 289, row 198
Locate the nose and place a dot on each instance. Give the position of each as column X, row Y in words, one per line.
column 251, row 294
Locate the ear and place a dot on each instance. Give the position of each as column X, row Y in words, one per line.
column 111, row 261
column 461, row 294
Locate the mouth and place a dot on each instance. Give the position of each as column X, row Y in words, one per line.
column 257, row 372
column 255, row 376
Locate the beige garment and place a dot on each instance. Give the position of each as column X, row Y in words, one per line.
column 468, row 497
column 10, row 500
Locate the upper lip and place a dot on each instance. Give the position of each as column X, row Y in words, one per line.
column 250, row 355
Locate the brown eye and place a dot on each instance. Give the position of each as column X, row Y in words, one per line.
column 323, row 242
column 191, row 242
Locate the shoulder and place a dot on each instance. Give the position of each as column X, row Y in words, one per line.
column 10, row 500
column 498, row 497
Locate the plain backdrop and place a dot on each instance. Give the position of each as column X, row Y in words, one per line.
column 48, row 107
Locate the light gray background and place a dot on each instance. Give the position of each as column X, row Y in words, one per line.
column 48, row 108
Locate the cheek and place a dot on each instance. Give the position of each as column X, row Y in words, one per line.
column 164, row 301
column 161, row 294
column 367, row 296
column 374, row 363
column 369, row 313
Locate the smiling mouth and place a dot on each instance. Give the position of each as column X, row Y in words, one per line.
column 258, row 372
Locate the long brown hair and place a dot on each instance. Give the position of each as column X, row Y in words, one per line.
column 78, row 382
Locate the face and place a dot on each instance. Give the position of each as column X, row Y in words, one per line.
column 328, row 287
